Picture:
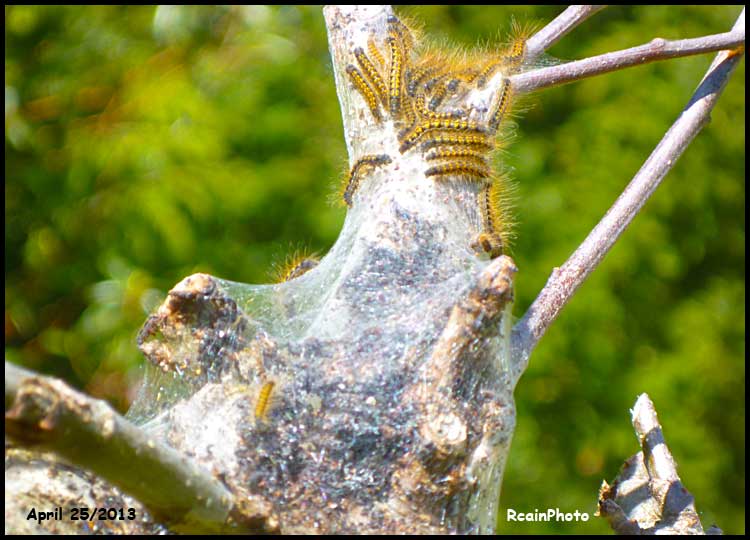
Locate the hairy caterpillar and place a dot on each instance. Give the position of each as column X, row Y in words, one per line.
column 493, row 203
column 294, row 265
column 372, row 74
column 502, row 105
column 443, row 90
column 471, row 168
column 395, row 74
column 365, row 90
column 514, row 59
column 449, row 138
column 416, row 75
column 375, row 53
column 424, row 111
column 368, row 161
column 457, row 152
column 411, row 137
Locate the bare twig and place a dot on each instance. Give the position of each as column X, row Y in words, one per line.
column 554, row 31
column 87, row 432
column 565, row 280
column 657, row 49
column 648, row 497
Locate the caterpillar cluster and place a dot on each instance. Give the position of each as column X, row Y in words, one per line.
column 414, row 90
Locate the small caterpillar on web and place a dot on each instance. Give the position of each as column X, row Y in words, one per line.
column 368, row 161
column 263, row 404
column 295, row 265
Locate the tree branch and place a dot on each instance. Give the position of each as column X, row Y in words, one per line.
column 565, row 280
column 88, row 433
column 554, row 31
column 657, row 49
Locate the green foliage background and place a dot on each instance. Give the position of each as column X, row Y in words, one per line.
column 145, row 144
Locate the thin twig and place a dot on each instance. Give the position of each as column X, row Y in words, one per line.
column 657, row 49
column 565, row 280
column 88, row 433
column 554, row 31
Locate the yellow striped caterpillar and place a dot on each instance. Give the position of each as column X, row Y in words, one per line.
column 452, row 138
column 410, row 138
column 469, row 168
column 375, row 53
column 365, row 90
column 502, row 105
column 457, row 152
column 395, row 74
column 372, row 74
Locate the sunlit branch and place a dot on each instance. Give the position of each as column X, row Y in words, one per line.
column 565, row 280
column 656, row 49
column 557, row 29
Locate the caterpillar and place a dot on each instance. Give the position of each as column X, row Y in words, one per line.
column 395, row 74
column 410, row 138
column 404, row 33
column 488, row 72
column 375, row 52
column 262, row 405
column 452, row 138
column 419, row 105
column 365, row 90
column 442, row 91
column 297, row 266
column 496, row 229
column 416, row 76
column 502, row 105
column 515, row 57
column 372, row 74
column 457, row 152
column 294, row 265
column 355, row 173
column 471, row 168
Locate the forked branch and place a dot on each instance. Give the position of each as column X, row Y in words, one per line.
column 656, row 49
column 558, row 28
column 565, row 280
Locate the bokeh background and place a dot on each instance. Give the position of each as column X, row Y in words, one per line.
column 143, row 144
